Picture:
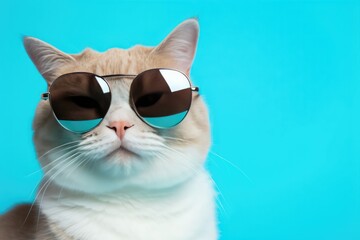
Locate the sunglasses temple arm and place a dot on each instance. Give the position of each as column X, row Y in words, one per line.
column 195, row 89
column 45, row 96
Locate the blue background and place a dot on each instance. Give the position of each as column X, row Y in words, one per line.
column 282, row 81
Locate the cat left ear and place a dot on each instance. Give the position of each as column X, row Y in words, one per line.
column 179, row 46
column 46, row 58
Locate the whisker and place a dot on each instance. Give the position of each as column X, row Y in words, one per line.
column 221, row 195
column 62, row 145
column 233, row 165
column 39, row 192
column 86, row 161
column 77, row 166
column 196, row 170
column 175, row 139
column 71, row 152
column 56, row 160
column 191, row 168
column 51, row 178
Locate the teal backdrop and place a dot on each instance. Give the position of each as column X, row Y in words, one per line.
column 282, row 81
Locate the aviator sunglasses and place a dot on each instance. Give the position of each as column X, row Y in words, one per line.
column 160, row 97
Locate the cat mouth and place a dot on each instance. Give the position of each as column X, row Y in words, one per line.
column 125, row 150
column 122, row 152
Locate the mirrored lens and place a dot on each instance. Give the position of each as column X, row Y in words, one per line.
column 80, row 101
column 161, row 97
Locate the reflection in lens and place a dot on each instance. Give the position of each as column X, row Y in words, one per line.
column 174, row 79
column 80, row 125
column 162, row 97
column 166, row 121
column 80, row 100
column 104, row 87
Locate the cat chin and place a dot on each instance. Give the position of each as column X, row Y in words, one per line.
column 100, row 185
column 122, row 156
column 110, row 176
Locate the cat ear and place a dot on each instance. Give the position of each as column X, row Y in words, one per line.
column 46, row 58
column 180, row 45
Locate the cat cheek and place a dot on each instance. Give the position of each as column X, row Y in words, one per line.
column 43, row 112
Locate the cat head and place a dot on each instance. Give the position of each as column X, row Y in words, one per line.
column 144, row 157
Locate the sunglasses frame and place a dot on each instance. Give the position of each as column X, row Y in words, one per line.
column 47, row 96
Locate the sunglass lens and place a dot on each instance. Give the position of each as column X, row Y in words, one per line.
column 161, row 97
column 80, row 101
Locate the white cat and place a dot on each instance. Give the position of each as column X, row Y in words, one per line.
column 145, row 183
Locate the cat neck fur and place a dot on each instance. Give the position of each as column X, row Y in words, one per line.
column 181, row 212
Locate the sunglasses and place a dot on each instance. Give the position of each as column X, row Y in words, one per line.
column 160, row 97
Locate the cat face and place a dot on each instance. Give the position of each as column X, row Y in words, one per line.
column 142, row 157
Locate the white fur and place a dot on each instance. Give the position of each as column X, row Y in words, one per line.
column 183, row 212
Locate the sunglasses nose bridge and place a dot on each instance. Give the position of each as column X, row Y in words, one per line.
column 120, row 111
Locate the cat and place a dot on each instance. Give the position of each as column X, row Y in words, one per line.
column 160, row 190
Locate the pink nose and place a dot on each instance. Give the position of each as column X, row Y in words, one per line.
column 120, row 127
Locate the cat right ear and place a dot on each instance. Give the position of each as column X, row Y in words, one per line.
column 46, row 58
column 179, row 46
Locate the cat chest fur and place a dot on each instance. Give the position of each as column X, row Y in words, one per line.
column 179, row 214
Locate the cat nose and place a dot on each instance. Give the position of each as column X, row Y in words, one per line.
column 120, row 127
